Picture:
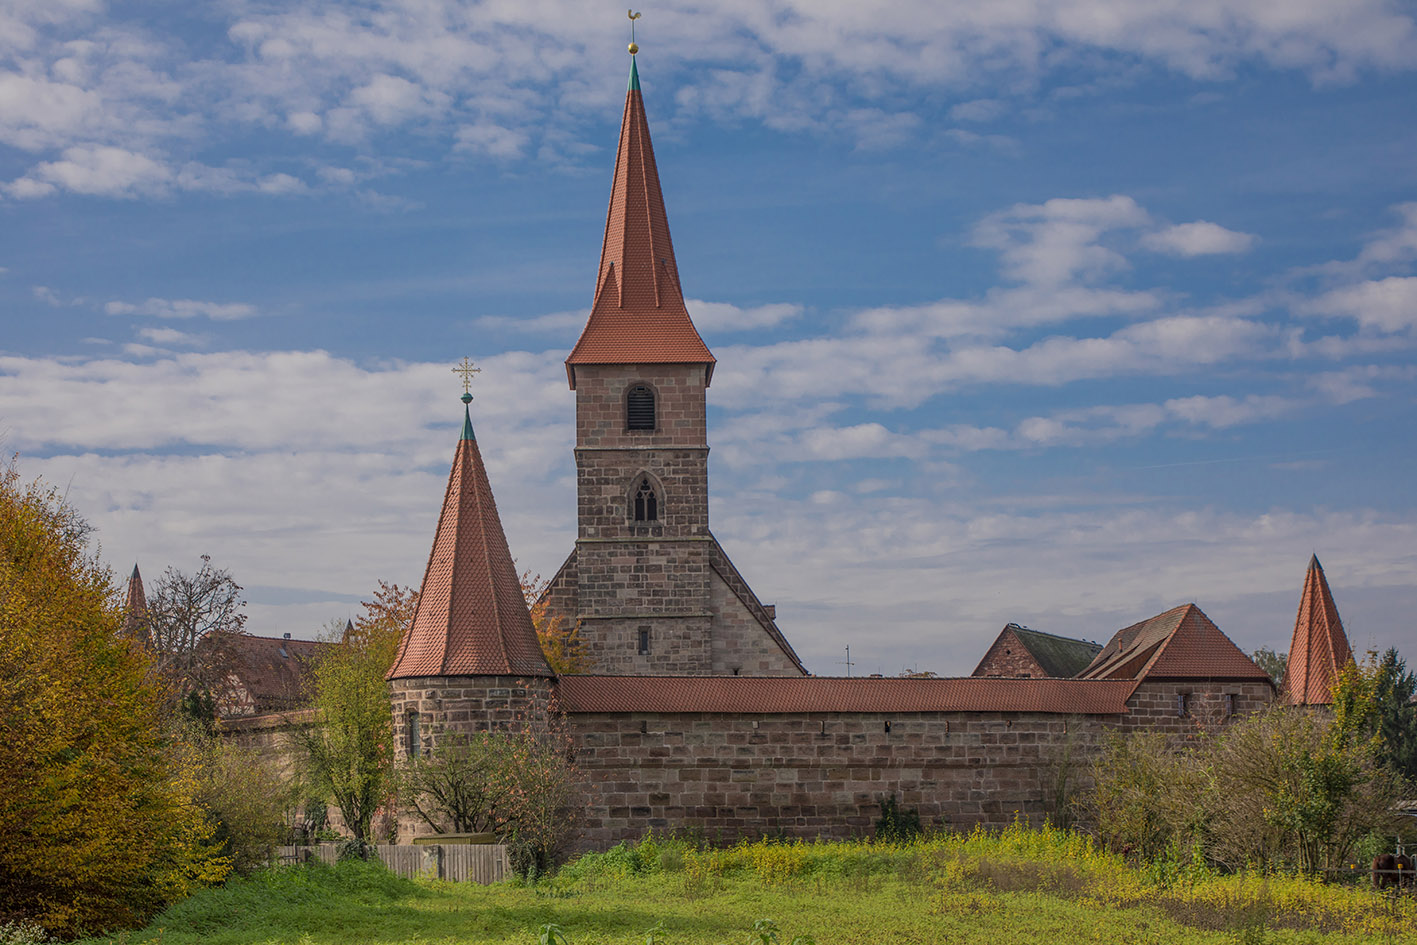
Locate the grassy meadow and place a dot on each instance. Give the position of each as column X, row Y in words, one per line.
column 1021, row 885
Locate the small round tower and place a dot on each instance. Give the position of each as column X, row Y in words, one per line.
column 470, row 661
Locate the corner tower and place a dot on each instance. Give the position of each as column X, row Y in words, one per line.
column 1319, row 648
column 649, row 587
column 470, row 660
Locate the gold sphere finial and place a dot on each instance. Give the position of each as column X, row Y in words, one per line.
column 634, row 46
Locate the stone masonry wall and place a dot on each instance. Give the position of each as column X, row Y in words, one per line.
column 740, row 644
column 461, row 704
column 818, row 774
column 1154, row 705
column 642, row 576
column 824, row 774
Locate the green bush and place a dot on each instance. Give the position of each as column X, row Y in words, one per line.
column 896, row 824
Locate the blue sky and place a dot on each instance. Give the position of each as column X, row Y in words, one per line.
column 1059, row 313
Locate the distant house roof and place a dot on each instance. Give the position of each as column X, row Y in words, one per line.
column 1319, row 648
column 1181, row 643
column 774, row 695
column 255, row 675
column 1056, row 656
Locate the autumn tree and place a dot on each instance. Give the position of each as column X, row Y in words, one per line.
column 99, row 822
column 1372, row 701
column 560, row 638
column 187, row 616
column 1272, row 662
column 349, row 748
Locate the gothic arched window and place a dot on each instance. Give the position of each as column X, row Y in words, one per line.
column 639, row 408
column 646, row 501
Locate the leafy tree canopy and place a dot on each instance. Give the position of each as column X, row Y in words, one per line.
column 99, row 826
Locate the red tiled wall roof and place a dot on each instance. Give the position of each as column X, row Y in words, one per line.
column 829, row 694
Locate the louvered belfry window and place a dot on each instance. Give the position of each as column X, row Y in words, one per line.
column 639, row 408
column 646, row 502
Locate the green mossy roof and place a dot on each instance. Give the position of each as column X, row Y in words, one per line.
column 1059, row 656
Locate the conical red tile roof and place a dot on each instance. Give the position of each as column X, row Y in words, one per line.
column 472, row 619
column 1182, row 643
column 639, row 316
column 135, row 609
column 1319, row 648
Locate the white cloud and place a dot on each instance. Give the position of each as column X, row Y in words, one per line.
column 492, row 140
column 713, row 317
column 502, row 81
column 980, row 109
column 46, row 295
column 169, row 336
column 1057, row 242
column 183, row 308
column 100, row 171
column 1385, row 305
column 1225, row 411
column 1200, row 238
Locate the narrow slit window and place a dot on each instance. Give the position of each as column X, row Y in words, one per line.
column 639, row 408
column 644, row 642
column 413, row 739
column 646, row 502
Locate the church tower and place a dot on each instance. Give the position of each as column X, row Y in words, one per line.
column 648, row 585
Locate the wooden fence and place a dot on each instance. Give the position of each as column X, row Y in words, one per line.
column 462, row 863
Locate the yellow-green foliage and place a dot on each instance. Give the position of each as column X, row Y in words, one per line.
column 970, row 872
column 1018, row 885
column 99, row 823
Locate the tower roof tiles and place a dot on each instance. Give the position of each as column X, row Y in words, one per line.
column 472, row 619
column 1319, row 648
column 638, row 316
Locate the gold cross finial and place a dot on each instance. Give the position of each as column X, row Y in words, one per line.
column 634, row 47
column 467, row 370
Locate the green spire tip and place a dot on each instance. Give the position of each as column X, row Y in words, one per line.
column 467, row 433
column 634, row 76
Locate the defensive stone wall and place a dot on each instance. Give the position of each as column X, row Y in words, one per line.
column 824, row 774
column 1158, row 706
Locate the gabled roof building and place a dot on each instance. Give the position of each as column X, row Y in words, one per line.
column 1020, row 652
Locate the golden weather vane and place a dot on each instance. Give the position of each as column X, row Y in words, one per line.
column 634, row 46
column 467, row 370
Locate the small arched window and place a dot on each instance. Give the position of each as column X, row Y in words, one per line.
column 639, row 408
column 646, row 502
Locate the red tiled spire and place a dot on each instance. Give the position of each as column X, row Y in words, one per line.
column 135, row 609
column 472, row 619
column 639, row 315
column 1319, row 649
